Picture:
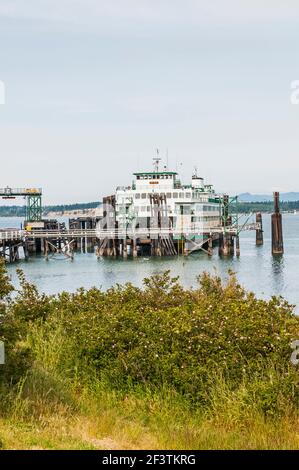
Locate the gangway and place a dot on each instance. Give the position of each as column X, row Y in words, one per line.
column 33, row 198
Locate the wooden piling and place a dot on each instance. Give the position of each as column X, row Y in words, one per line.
column 220, row 244
column 135, row 253
column 210, row 246
column 238, row 251
column 259, row 232
column 46, row 250
column 26, row 252
column 124, row 250
column 226, row 245
column 277, row 232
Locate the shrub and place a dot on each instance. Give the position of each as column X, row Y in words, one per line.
column 164, row 335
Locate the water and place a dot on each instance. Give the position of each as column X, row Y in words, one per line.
column 256, row 269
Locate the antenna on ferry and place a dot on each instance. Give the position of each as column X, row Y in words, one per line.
column 156, row 160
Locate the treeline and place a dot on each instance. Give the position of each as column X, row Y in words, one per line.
column 71, row 207
column 12, row 211
column 241, row 207
column 247, row 207
column 20, row 211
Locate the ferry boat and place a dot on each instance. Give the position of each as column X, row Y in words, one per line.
column 159, row 215
column 193, row 209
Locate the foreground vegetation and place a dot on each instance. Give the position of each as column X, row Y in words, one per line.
column 158, row 367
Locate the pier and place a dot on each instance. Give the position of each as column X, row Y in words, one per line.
column 51, row 242
column 125, row 243
column 177, row 220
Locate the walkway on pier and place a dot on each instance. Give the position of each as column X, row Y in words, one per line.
column 22, row 235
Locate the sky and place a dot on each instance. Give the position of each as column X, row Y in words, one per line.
column 93, row 87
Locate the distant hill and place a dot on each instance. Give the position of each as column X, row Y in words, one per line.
column 19, row 211
column 286, row 197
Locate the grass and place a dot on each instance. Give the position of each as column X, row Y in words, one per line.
column 49, row 412
column 142, row 423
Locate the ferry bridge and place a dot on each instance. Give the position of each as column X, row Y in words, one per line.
column 33, row 197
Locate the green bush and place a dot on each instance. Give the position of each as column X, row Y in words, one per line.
column 164, row 335
column 159, row 337
column 13, row 334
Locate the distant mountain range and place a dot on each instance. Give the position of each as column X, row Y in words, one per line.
column 286, row 197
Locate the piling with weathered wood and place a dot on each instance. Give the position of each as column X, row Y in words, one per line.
column 110, row 246
column 238, row 251
column 277, row 232
column 210, row 246
column 226, row 244
column 259, row 231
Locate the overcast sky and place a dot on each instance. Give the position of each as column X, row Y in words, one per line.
column 93, row 87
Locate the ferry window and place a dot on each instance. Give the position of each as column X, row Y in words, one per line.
column 175, row 195
column 138, row 177
column 137, row 196
column 182, row 195
column 188, row 195
column 143, row 196
column 168, row 195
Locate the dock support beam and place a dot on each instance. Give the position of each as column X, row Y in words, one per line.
column 135, row 253
column 277, row 233
column 125, row 249
column 210, row 246
column 259, row 232
column 238, row 251
column 226, row 245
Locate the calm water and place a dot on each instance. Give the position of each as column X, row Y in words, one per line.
column 256, row 268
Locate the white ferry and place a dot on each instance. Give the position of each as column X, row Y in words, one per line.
column 159, row 215
column 193, row 209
